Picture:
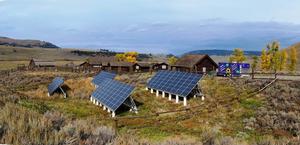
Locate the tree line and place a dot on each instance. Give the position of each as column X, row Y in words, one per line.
column 272, row 59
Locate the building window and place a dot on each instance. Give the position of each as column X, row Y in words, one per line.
column 204, row 69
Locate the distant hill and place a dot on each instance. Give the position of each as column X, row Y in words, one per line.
column 221, row 52
column 26, row 43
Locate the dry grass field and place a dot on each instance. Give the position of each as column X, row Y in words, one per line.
column 21, row 53
column 10, row 64
column 12, row 57
column 226, row 116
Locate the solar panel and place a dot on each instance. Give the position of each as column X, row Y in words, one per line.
column 112, row 94
column 55, row 84
column 174, row 82
column 98, row 79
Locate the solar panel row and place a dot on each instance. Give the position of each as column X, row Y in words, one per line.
column 174, row 82
column 56, row 83
column 112, row 94
column 99, row 78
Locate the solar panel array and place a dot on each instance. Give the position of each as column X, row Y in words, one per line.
column 99, row 78
column 174, row 82
column 112, row 94
column 57, row 82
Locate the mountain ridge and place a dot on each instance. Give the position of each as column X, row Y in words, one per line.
column 25, row 43
column 220, row 52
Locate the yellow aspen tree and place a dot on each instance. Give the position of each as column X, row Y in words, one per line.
column 120, row 57
column 254, row 63
column 172, row 60
column 131, row 59
column 265, row 60
column 276, row 61
column 272, row 51
column 293, row 59
column 283, row 60
column 237, row 55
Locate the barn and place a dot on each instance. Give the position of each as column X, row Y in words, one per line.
column 39, row 63
column 195, row 63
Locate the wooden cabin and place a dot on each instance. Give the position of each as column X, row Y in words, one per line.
column 85, row 65
column 160, row 66
column 100, row 63
column 121, row 67
column 142, row 67
column 195, row 63
column 38, row 63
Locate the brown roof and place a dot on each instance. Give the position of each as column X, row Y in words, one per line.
column 144, row 64
column 121, row 63
column 191, row 60
column 104, row 60
column 41, row 62
column 160, row 63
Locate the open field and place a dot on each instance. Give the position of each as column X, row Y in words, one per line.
column 21, row 53
column 11, row 57
column 10, row 64
column 227, row 115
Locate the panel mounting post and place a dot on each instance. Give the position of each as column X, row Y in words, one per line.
column 184, row 101
column 170, row 96
column 163, row 94
column 177, row 98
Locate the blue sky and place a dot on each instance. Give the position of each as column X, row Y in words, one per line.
column 157, row 26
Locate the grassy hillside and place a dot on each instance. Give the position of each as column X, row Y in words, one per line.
column 221, row 119
column 26, row 43
column 21, row 53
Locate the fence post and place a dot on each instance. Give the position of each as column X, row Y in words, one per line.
column 116, row 125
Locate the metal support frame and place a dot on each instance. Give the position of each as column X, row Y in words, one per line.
column 65, row 95
column 131, row 104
